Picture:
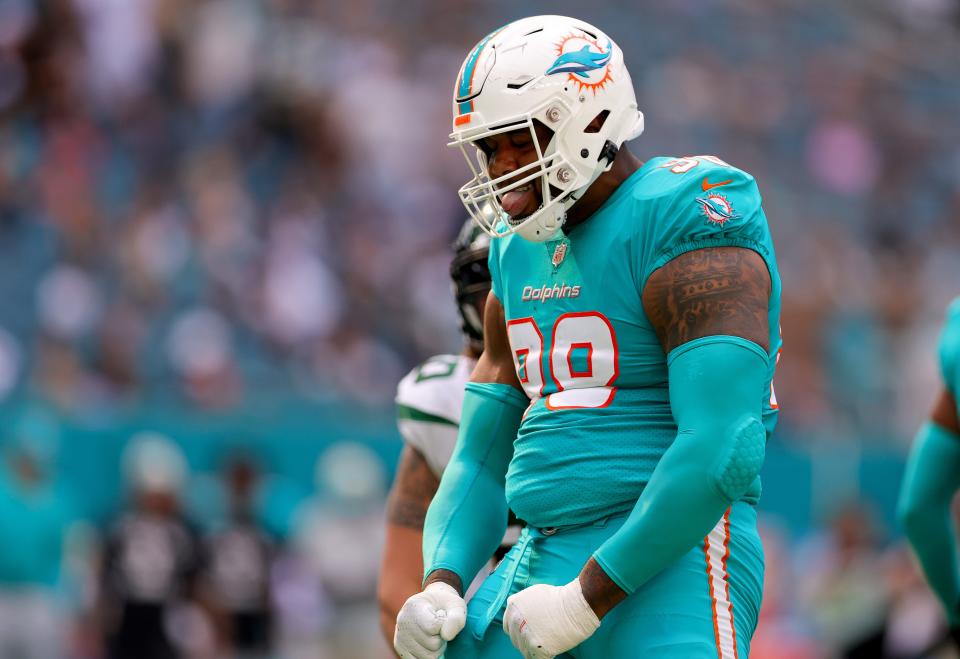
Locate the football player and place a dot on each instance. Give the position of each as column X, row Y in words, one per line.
column 932, row 479
column 151, row 559
column 428, row 409
column 623, row 399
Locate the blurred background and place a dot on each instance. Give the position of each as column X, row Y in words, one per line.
column 225, row 230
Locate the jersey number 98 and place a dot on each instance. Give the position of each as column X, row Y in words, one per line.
column 583, row 360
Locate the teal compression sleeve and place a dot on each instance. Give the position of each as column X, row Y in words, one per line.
column 468, row 516
column 931, row 479
column 717, row 386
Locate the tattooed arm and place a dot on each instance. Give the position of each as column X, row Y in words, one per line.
column 723, row 290
column 707, row 292
column 402, row 567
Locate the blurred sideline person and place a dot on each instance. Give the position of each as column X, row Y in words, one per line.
column 35, row 513
column 236, row 565
column 336, row 541
column 429, row 399
column 151, row 558
column 623, row 399
column 932, row 478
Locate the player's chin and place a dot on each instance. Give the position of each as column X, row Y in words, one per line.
column 532, row 206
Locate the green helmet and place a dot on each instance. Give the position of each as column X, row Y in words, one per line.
column 471, row 279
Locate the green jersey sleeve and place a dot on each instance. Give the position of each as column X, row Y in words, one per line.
column 949, row 348
column 711, row 204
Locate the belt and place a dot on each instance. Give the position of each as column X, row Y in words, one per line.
column 516, row 556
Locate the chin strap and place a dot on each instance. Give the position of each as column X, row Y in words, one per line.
column 608, row 152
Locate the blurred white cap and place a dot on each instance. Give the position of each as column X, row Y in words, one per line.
column 199, row 343
column 153, row 463
column 68, row 302
column 350, row 471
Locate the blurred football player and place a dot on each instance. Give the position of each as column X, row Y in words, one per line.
column 428, row 407
column 932, row 479
column 236, row 564
column 623, row 399
column 151, row 555
column 38, row 511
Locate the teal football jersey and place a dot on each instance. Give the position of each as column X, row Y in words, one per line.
column 949, row 349
column 584, row 351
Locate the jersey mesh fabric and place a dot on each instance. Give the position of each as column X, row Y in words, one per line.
column 575, row 465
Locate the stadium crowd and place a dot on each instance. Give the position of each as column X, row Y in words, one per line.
column 212, row 202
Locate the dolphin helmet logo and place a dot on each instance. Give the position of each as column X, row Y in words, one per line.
column 584, row 61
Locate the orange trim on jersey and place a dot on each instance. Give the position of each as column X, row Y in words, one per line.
column 581, row 346
column 550, row 406
column 726, row 647
column 726, row 573
column 524, row 353
column 713, row 598
column 616, row 362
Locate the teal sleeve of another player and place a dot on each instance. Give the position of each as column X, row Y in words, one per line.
column 716, row 394
column 949, row 348
column 932, row 478
column 493, row 264
column 468, row 516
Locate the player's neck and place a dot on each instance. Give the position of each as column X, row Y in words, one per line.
column 471, row 352
column 624, row 165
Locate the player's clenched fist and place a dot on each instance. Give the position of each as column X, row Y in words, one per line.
column 544, row 621
column 428, row 620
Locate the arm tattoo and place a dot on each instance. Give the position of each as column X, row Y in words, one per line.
column 719, row 290
column 412, row 491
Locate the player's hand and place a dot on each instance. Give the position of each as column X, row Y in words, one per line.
column 544, row 621
column 428, row 620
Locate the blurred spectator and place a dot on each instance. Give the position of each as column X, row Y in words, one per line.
column 151, row 562
column 201, row 200
column 844, row 590
column 338, row 535
column 35, row 512
column 237, row 565
column 781, row 633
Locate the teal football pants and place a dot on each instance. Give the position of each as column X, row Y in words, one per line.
column 704, row 606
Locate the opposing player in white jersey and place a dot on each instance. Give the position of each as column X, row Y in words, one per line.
column 429, row 399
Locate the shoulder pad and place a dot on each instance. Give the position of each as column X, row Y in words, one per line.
column 436, row 387
column 701, row 202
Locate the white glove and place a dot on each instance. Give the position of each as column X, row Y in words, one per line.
column 544, row 621
column 428, row 620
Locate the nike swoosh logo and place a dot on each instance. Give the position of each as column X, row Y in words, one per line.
column 707, row 185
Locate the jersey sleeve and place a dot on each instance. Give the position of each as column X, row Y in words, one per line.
column 493, row 263
column 433, row 441
column 711, row 205
column 427, row 412
column 949, row 348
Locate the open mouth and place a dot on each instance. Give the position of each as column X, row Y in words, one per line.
column 519, row 202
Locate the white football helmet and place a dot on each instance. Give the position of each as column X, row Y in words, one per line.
column 563, row 73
